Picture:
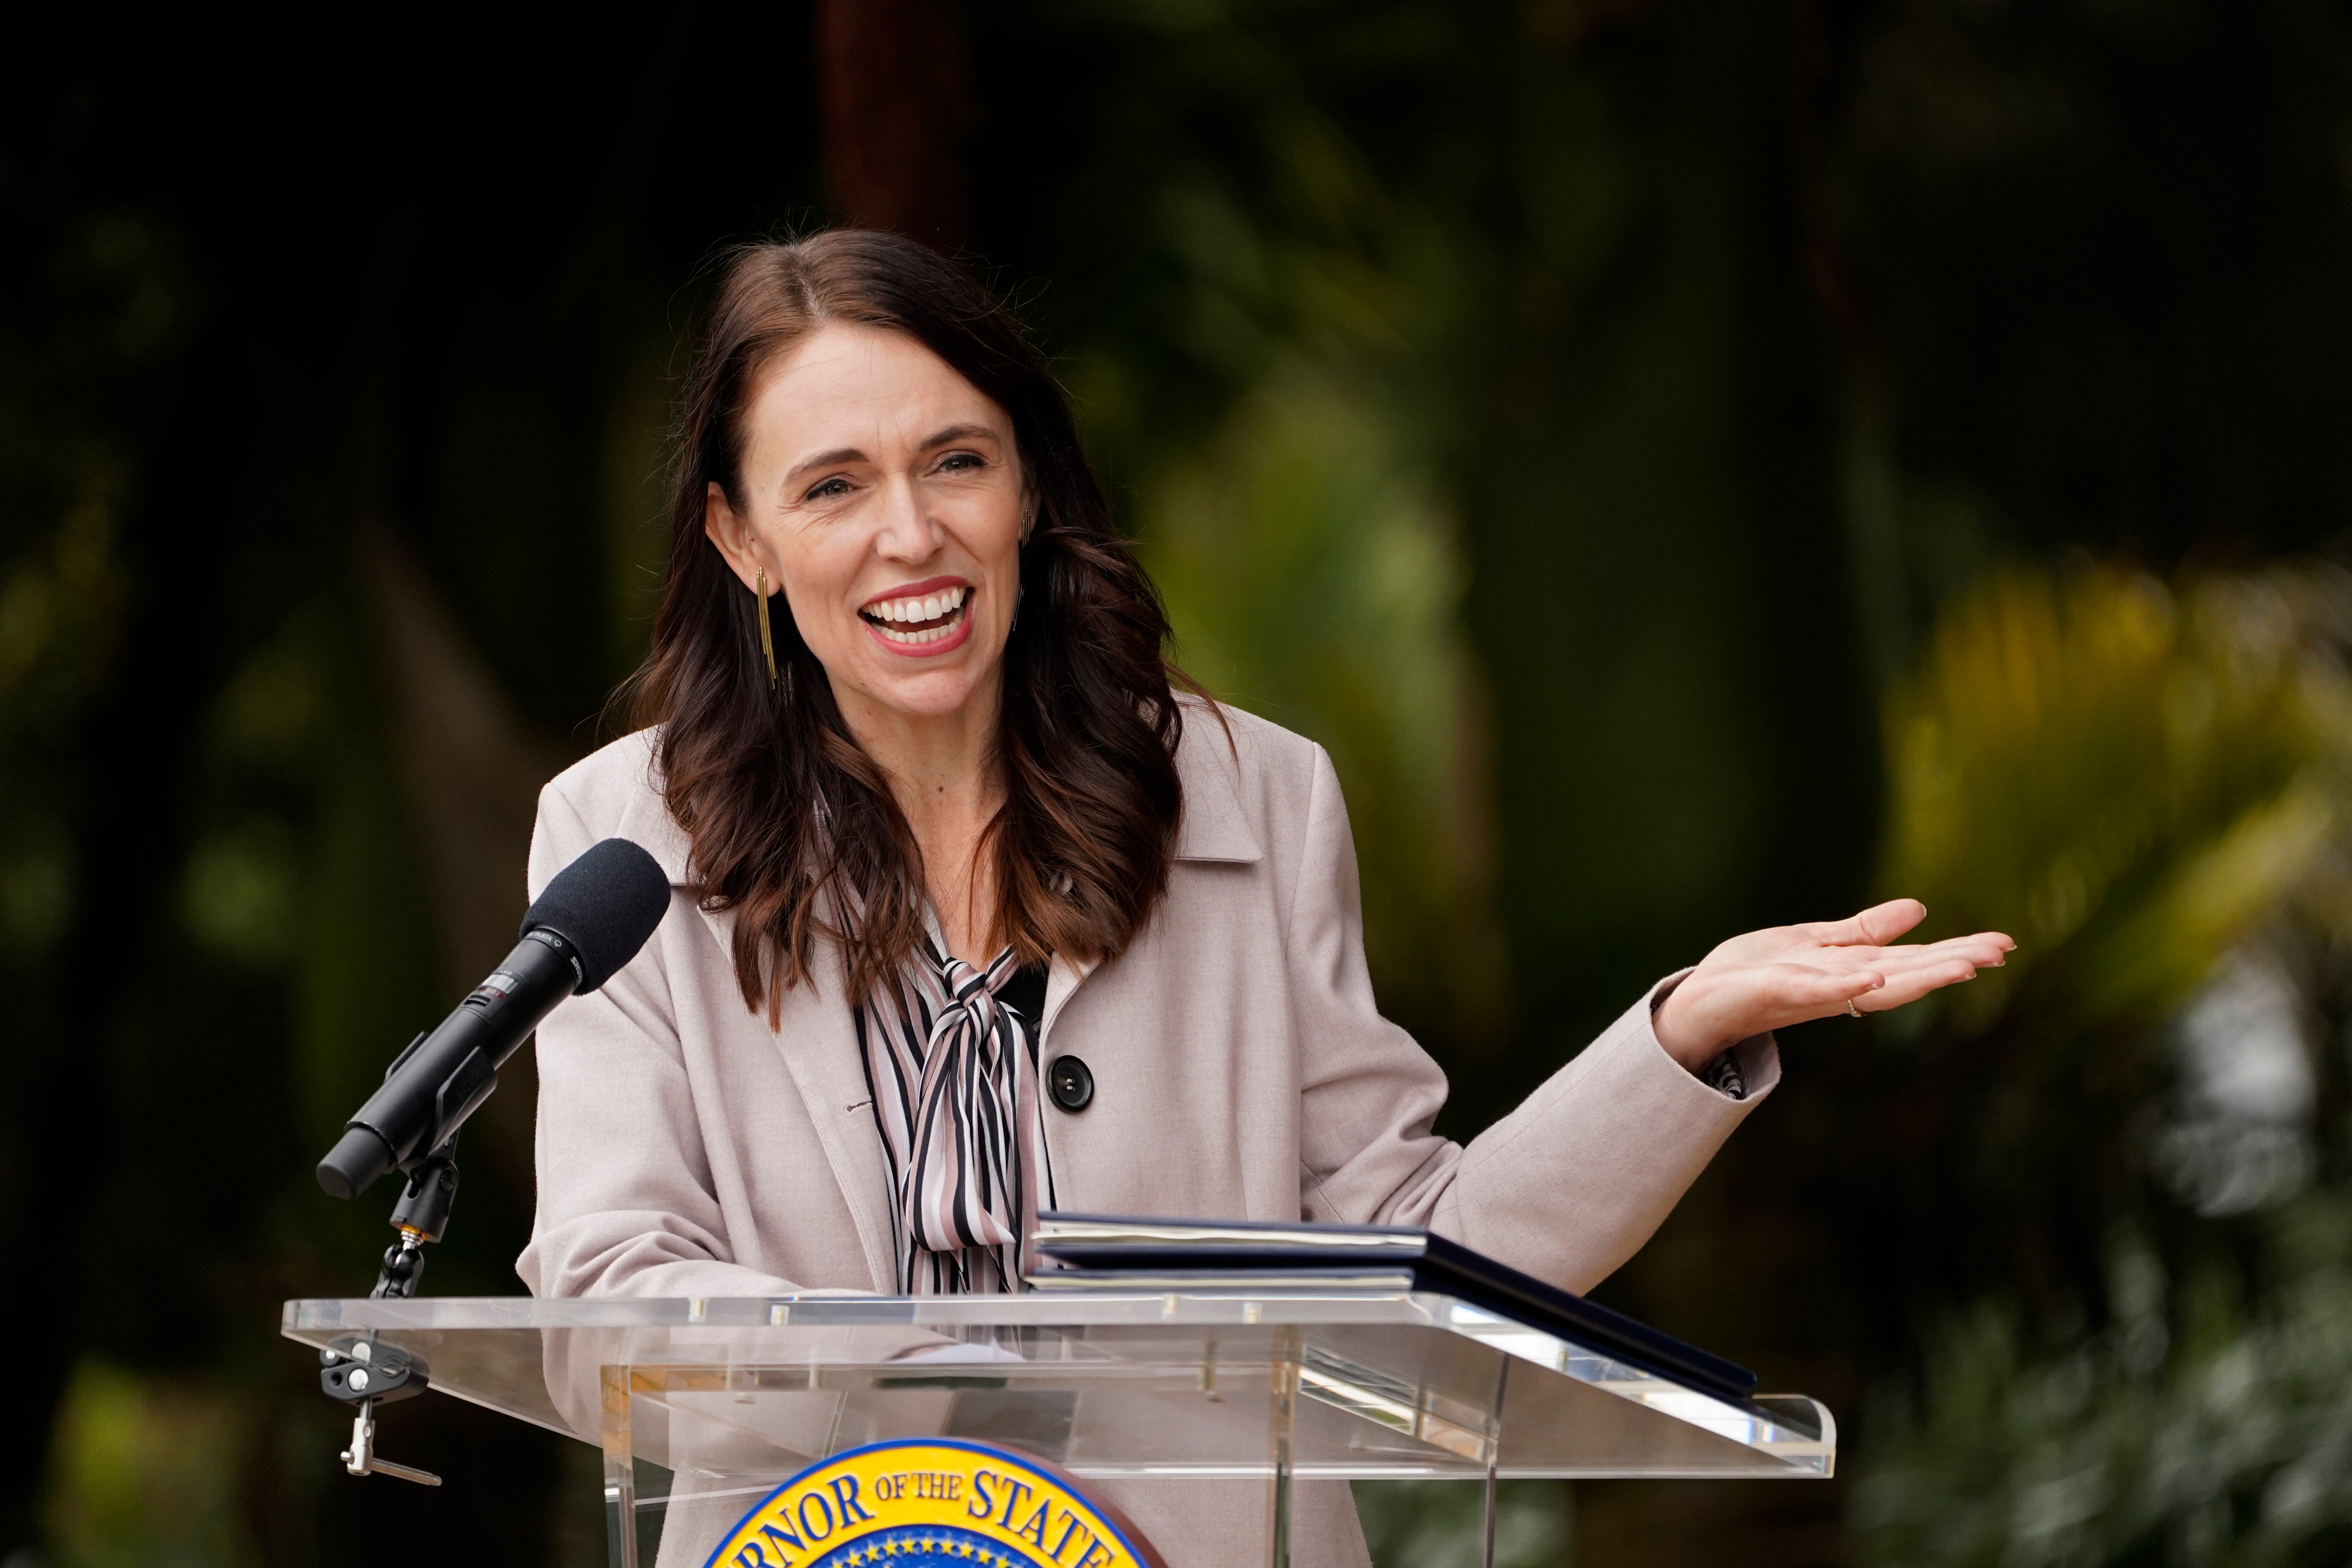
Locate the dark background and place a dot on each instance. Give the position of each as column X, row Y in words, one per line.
column 1697, row 466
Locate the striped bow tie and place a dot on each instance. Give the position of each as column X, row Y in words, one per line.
column 973, row 1156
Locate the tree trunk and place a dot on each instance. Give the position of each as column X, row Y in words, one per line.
column 893, row 109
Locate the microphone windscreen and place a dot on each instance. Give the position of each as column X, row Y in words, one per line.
column 605, row 904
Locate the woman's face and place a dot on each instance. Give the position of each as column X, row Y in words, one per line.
column 884, row 497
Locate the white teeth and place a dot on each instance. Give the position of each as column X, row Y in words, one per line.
column 930, row 607
column 916, row 640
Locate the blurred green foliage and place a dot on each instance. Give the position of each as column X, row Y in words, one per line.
column 145, row 1474
column 1312, row 582
column 2127, row 776
column 1691, row 464
column 2148, row 780
column 2191, row 1430
column 2147, row 1359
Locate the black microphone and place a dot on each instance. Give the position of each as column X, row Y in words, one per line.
column 592, row 919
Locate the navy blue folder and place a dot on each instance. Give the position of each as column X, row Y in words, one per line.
column 1105, row 1249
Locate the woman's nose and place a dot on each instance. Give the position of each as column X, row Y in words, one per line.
column 907, row 533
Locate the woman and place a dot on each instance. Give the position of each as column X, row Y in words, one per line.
column 974, row 915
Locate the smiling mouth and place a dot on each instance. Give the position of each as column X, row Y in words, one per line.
column 919, row 619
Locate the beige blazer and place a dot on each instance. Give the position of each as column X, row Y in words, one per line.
column 1241, row 1071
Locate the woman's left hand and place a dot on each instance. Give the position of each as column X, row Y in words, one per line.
column 1770, row 979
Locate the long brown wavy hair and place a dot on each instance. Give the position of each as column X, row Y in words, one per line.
column 794, row 827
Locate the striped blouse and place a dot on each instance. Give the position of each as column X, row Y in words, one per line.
column 950, row 1056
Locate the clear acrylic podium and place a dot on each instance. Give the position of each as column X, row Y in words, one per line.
column 701, row 1406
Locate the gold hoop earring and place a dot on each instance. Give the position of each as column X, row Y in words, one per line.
column 767, row 637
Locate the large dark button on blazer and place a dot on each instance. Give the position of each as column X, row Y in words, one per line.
column 1071, row 1083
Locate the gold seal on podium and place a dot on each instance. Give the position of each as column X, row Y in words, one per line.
column 931, row 1503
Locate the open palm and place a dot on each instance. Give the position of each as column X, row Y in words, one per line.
column 1787, row 974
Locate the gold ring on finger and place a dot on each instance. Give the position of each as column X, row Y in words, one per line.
column 1851, row 1010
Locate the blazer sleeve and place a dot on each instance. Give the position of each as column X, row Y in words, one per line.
column 1567, row 1187
column 625, row 1199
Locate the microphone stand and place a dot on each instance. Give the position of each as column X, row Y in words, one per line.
column 363, row 1371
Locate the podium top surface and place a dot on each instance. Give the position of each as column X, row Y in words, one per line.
column 1386, row 1382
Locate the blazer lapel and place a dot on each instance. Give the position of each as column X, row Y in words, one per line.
column 818, row 1043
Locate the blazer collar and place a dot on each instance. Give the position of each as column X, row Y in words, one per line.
column 1214, row 827
column 647, row 821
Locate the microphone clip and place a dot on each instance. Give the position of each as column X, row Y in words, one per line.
column 422, row 1215
column 363, row 1369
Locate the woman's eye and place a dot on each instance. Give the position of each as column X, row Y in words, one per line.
column 828, row 489
column 961, row 462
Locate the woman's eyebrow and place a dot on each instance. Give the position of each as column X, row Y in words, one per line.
column 825, row 460
column 958, row 433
